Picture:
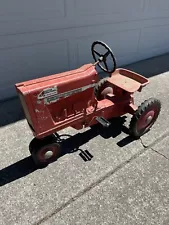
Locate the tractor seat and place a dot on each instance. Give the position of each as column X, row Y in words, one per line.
column 127, row 80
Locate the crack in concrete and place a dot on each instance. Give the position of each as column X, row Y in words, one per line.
column 107, row 175
column 159, row 153
column 144, row 146
column 160, row 138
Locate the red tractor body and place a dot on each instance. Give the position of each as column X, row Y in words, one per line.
column 58, row 101
column 67, row 99
column 78, row 99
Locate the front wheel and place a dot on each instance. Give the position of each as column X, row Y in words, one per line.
column 145, row 117
column 44, row 151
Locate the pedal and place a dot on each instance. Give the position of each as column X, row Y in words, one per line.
column 103, row 121
column 85, row 155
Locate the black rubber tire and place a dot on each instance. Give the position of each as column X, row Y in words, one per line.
column 143, row 108
column 99, row 87
column 37, row 145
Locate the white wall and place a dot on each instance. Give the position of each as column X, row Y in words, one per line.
column 42, row 37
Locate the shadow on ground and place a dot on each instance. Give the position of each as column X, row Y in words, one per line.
column 151, row 67
column 10, row 112
column 148, row 67
column 69, row 144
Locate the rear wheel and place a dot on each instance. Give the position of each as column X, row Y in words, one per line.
column 145, row 117
column 44, row 151
column 102, row 89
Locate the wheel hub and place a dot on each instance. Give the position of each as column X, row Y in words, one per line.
column 146, row 119
column 149, row 119
column 48, row 154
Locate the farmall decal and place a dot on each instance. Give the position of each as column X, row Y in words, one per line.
column 47, row 93
column 50, row 95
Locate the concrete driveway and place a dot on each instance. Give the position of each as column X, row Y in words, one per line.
column 124, row 181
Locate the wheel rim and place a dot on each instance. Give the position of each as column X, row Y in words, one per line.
column 147, row 119
column 48, row 153
column 105, row 91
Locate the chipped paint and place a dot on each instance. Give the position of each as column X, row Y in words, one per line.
column 36, row 110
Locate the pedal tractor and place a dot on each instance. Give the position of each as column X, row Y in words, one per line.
column 79, row 99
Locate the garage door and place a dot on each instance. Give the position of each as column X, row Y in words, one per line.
column 40, row 37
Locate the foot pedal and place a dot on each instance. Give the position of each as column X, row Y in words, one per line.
column 103, row 121
column 85, row 155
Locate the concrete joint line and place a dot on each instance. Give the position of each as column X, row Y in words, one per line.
column 106, row 176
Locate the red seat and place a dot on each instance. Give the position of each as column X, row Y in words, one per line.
column 127, row 80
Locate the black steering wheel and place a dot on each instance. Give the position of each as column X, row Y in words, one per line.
column 102, row 57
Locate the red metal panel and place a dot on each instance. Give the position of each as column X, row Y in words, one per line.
column 58, row 101
column 75, row 91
